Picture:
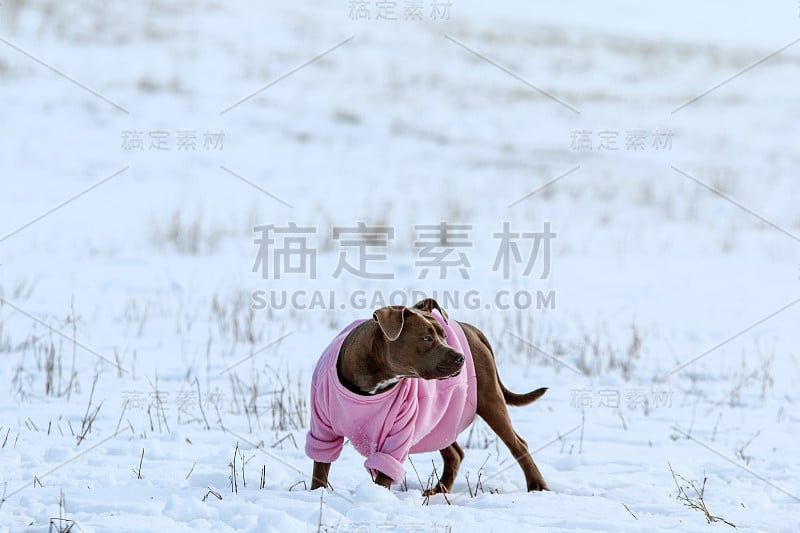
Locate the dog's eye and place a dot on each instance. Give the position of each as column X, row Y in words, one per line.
column 427, row 338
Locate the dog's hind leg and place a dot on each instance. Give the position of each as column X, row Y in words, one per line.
column 492, row 399
column 452, row 456
column 497, row 418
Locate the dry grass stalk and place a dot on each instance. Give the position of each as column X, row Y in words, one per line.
column 90, row 416
column 697, row 501
column 139, row 471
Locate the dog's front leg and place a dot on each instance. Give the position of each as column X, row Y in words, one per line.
column 383, row 480
column 319, row 477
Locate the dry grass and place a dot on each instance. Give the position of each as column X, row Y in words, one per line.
column 212, row 492
column 595, row 351
column 289, row 404
column 233, row 477
column 157, row 399
column 62, row 524
column 479, row 482
column 692, row 495
column 91, row 414
column 187, row 235
column 138, row 471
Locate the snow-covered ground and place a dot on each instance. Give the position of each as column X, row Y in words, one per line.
column 136, row 365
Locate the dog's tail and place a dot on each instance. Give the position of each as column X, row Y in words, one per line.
column 510, row 398
column 521, row 399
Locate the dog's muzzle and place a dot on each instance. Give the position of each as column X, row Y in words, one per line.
column 452, row 368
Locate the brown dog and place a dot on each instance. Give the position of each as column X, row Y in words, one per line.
column 408, row 343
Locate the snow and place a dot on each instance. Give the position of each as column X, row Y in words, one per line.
column 673, row 341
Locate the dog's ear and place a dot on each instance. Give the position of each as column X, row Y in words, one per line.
column 429, row 304
column 391, row 320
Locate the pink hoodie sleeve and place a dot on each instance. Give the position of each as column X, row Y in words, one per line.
column 392, row 455
column 322, row 444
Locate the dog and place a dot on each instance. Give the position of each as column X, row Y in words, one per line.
column 409, row 381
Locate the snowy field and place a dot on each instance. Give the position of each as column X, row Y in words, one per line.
column 150, row 380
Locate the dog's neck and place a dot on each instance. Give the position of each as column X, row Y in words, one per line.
column 363, row 365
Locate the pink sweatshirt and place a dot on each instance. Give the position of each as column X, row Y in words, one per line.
column 414, row 416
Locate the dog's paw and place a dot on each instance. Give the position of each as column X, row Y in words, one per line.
column 440, row 489
column 537, row 485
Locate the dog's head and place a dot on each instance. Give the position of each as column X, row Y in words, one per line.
column 416, row 342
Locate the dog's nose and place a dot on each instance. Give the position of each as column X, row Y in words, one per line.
column 458, row 358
